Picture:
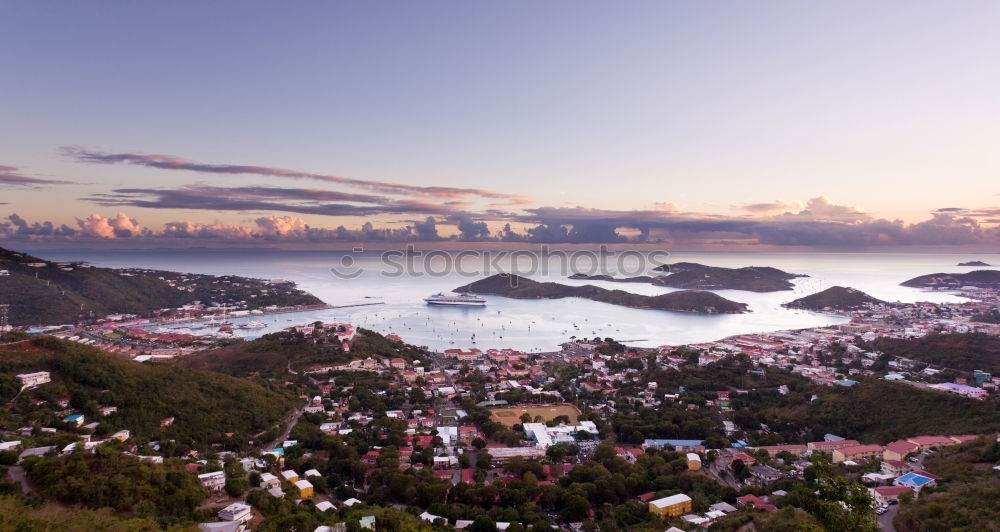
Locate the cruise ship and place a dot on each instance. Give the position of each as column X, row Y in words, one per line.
column 463, row 299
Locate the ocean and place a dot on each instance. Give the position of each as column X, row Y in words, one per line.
column 539, row 325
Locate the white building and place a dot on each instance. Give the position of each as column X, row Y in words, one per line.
column 214, row 481
column 267, row 480
column 34, row 379
column 545, row 436
column 236, row 512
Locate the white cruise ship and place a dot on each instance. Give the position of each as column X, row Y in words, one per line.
column 463, row 299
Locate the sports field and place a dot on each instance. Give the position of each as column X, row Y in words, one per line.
column 512, row 415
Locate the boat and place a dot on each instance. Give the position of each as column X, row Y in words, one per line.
column 252, row 325
column 464, row 299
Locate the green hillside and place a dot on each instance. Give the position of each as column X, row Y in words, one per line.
column 205, row 405
column 40, row 292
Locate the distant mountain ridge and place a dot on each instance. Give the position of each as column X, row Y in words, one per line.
column 517, row 287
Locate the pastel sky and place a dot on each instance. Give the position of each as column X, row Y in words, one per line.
column 722, row 123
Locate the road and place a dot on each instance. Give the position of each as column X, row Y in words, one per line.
column 885, row 520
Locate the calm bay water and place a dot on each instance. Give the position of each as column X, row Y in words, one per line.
column 540, row 325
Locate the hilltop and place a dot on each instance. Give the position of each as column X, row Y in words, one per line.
column 973, row 263
column 691, row 275
column 273, row 354
column 517, row 287
column 42, row 292
column 835, row 298
column 205, row 405
column 979, row 278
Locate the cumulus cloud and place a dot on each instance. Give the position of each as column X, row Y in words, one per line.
column 10, row 175
column 172, row 162
column 120, row 226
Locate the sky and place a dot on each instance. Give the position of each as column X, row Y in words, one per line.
column 719, row 123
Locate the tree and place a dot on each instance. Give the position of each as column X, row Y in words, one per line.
column 484, row 460
column 835, row 502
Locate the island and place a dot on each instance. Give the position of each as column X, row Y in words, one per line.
column 973, row 263
column 694, row 276
column 41, row 292
column 517, row 287
column 952, row 281
column 835, row 298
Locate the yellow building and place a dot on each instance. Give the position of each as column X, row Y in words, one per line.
column 694, row 461
column 672, row 506
column 305, row 488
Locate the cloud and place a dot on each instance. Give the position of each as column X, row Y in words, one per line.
column 767, row 208
column 171, row 162
column 267, row 199
column 9, row 175
column 121, row 226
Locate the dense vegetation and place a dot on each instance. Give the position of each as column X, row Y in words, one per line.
column 835, row 297
column 107, row 478
column 205, row 405
column 17, row 515
column 52, row 295
column 514, row 286
column 272, row 354
column 968, row 496
column 963, row 352
column 882, row 411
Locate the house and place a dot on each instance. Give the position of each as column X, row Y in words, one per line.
column 236, row 511
column 34, row 379
column 397, row 363
column 276, row 492
column 367, row 522
column 121, row 435
column 324, row 506
column 898, row 450
column 305, row 488
column 894, row 467
column 267, row 480
column 694, row 461
column 753, row 501
column 745, row 458
column 827, row 447
column 915, row 480
column 214, row 481
column 932, row 442
column 108, row 410
column 672, row 506
column 290, row 476
column 765, row 474
column 467, row 433
column 857, row 453
column 883, row 494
